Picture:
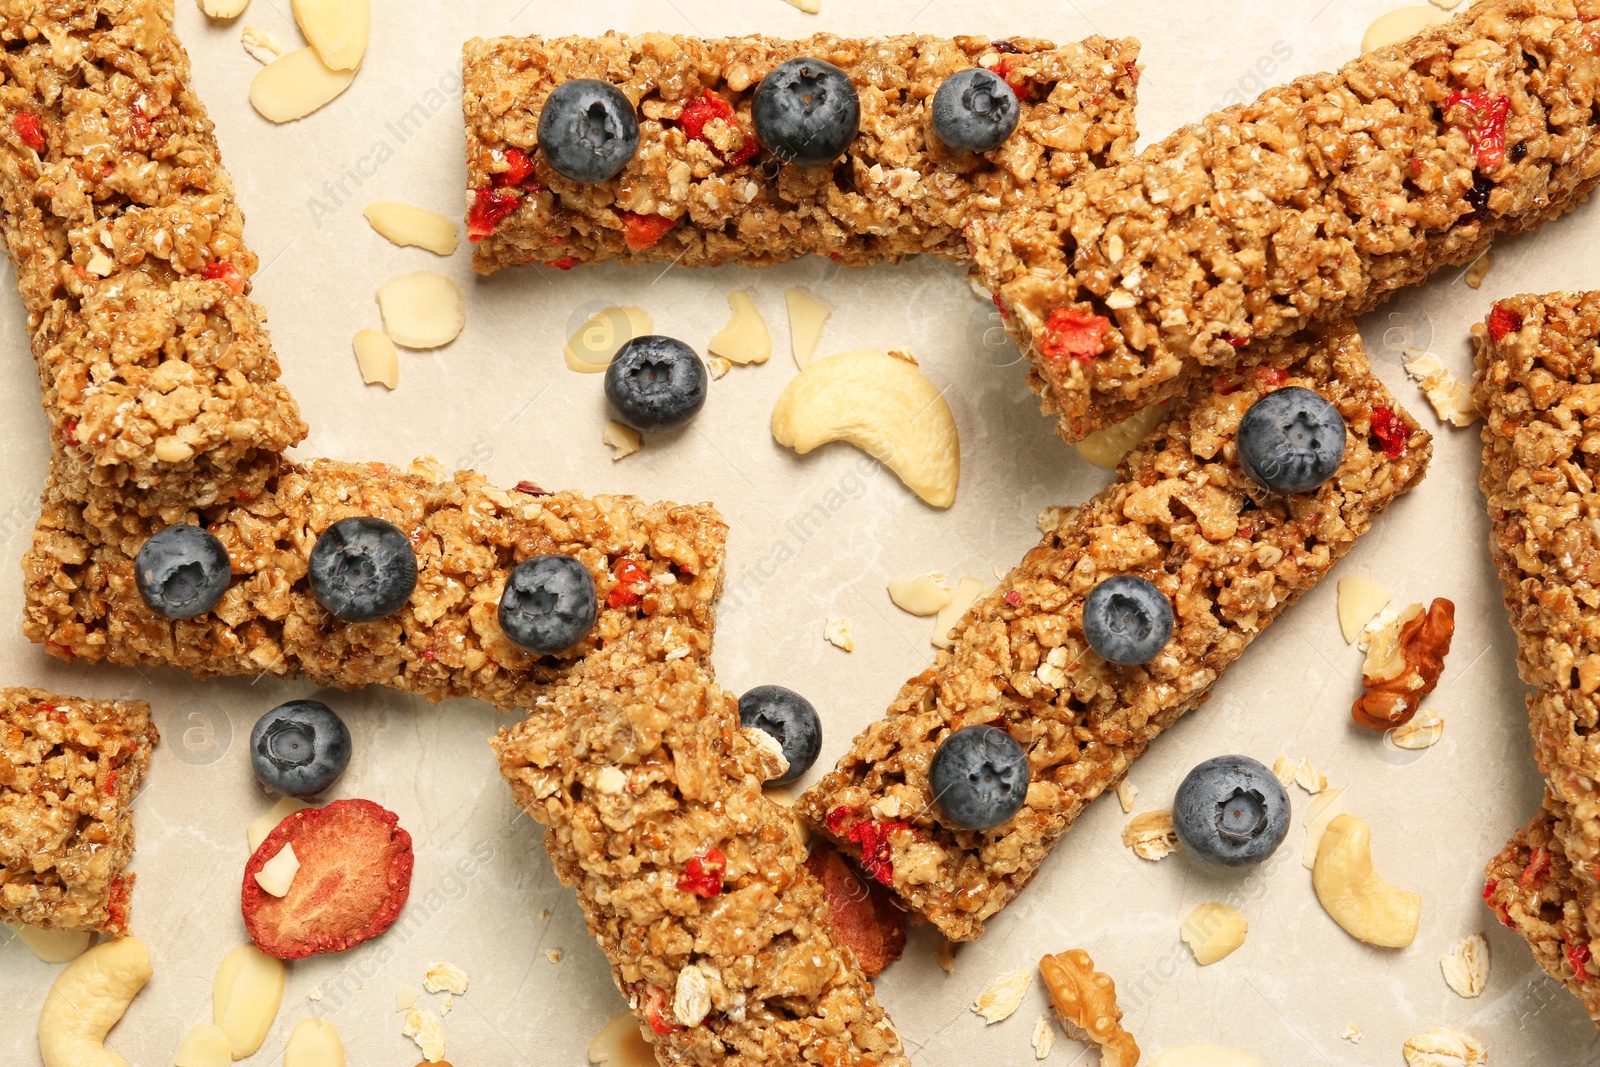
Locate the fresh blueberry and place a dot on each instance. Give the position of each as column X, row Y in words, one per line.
column 363, row 569
column 1291, row 440
column 975, row 110
column 1231, row 810
column 549, row 604
column 182, row 572
column 1127, row 620
column 806, row 112
column 300, row 748
column 979, row 777
column 790, row 718
column 656, row 383
column 588, row 130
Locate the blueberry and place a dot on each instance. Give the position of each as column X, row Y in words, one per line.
column 300, row 748
column 1231, row 810
column 975, row 110
column 656, row 383
column 363, row 569
column 1127, row 620
column 806, row 112
column 182, row 572
column 1291, row 440
column 549, row 604
column 790, row 718
column 588, row 130
column 979, row 777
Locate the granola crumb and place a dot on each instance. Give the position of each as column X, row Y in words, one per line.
column 947, row 956
column 718, row 367
column 262, row 46
column 1352, row 1033
column 1479, row 270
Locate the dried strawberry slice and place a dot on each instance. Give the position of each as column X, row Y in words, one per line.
column 492, row 207
column 226, row 273
column 354, row 877
column 703, row 874
column 1391, row 432
column 1503, row 320
column 1484, row 124
column 705, row 109
column 1075, row 335
column 628, row 575
column 1008, row 69
column 29, row 129
column 876, row 855
column 644, row 231
column 861, row 913
column 528, row 488
column 519, row 168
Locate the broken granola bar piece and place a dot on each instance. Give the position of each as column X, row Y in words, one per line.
column 692, row 881
column 701, row 191
column 1227, row 554
column 69, row 769
column 1310, row 205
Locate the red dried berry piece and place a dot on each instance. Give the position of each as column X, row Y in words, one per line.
column 1503, row 320
column 1009, row 69
column 1073, row 334
column 1236, row 342
column 1578, row 957
column 519, row 168
column 1272, row 377
column 628, row 574
column 876, row 856
column 644, row 231
column 492, row 207
column 117, row 903
column 1538, row 866
column 702, row 875
column 1005, row 312
column 1391, row 432
column 226, row 273
column 69, row 434
column 657, row 1015
column 861, row 913
column 354, row 877
column 529, row 489
column 841, row 819
column 1014, row 598
column 1489, row 888
column 1484, row 122
column 701, row 112
column 564, row 263
column 29, row 129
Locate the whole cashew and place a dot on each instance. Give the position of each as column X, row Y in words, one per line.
column 87, row 1000
column 1367, row 907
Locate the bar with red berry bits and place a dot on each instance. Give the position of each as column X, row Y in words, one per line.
column 69, row 770
column 657, row 570
column 1227, row 554
column 693, row 883
column 1310, row 205
column 701, row 191
column 158, row 377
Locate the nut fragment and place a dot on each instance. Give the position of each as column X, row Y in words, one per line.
column 947, row 956
column 422, row 309
column 807, row 317
column 1450, row 397
column 1105, row 448
column 245, row 998
column 1403, row 666
column 839, row 633
column 812, row 7
column 1044, row 1037
column 204, row 1046
column 1003, row 995
column 427, row 1030
column 745, row 339
column 337, row 29
column 1466, row 966
column 1395, row 26
column 1444, row 1046
column 293, row 86
column 922, row 596
column 1364, row 905
column 1127, row 793
column 620, row 1043
column 87, row 999
column 314, row 1043
column 416, row 227
column 54, row 946
column 593, row 346
column 1086, row 1003
column 966, row 593
column 1360, row 600
column 262, row 46
column 883, row 404
column 1478, row 271
column 624, row 440
column 277, row 874
column 1151, row 835
column 1424, row 731
column 405, row 998
column 445, row 978
column 224, row 9
column 1213, row 931
column 1318, row 816
column 377, row 358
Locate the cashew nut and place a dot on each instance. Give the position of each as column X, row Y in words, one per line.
column 1362, row 903
column 337, row 29
column 1105, row 448
column 87, row 1000
column 1204, row 1056
column 881, row 403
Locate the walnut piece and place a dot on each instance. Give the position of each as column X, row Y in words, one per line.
column 1086, row 1003
column 1398, row 676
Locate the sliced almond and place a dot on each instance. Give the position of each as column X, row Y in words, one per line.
column 337, row 29
column 54, row 946
column 261, row 45
column 807, row 317
column 1213, row 932
column 1003, row 996
column 296, row 85
column 405, row 998
column 745, row 339
column 812, row 7
column 620, row 1043
column 1423, row 731
column 922, row 596
column 1466, row 966
column 1395, row 26
column 224, row 9
column 277, row 874
column 840, row 633
column 1309, row 778
column 410, row 226
column 1360, row 600
column 245, row 998
column 314, row 1043
column 1318, row 816
column 624, row 440
column 1386, row 660
column 423, row 309
column 1127, row 793
column 377, row 358
column 593, row 346
column 204, row 1046
column 966, row 593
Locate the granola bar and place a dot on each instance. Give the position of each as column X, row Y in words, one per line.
column 700, row 191
column 1182, row 514
column 157, row 373
column 1310, row 205
column 657, row 568
column 692, row 882
column 69, row 769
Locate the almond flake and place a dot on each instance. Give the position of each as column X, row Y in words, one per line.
column 1004, row 996
column 1466, row 967
column 807, row 317
column 295, row 85
column 337, row 29
column 422, row 309
column 224, row 9
column 812, row 7
column 377, row 358
column 1151, row 835
column 410, row 226
column 277, row 874
column 745, row 339
column 1127, row 793
column 262, row 46
column 1360, row 600
column 922, row 596
column 624, row 440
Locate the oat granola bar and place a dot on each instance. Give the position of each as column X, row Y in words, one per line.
column 700, row 191
column 1228, row 555
column 1310, row 205
column 69, row 769
column 657, row 568
column 693, row 883
column 157, row 373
